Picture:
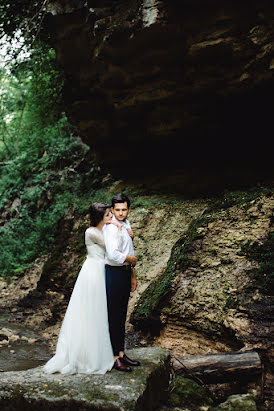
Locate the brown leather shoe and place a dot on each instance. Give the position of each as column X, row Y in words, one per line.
column 121, row 366
column 130, row 362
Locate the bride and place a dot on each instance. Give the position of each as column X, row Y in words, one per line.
column 84, row 343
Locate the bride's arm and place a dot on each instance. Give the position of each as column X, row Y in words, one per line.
column 94, row 235
column 130, row 232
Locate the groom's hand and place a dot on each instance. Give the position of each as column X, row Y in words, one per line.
column 133, row 284
column 131, row 259
column 133, row 280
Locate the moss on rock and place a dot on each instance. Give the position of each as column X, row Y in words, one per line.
column 185, row 392
column 243, row 402
column 264, row 255
column 147, row 311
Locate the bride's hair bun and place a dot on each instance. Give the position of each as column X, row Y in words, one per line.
column 96, row 212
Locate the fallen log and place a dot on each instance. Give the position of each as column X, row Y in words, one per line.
column 221, row 367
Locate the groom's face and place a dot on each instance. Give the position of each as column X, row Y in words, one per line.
column 120, row 211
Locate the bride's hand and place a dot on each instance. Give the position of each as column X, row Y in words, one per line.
column 130, row 232
column 118, row 225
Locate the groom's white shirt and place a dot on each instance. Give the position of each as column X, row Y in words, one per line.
column 118, row 243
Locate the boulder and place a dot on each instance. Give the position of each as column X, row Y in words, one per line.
column 239, row 402
column 141, row 389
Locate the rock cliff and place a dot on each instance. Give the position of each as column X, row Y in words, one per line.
column 215, row 286
column 173, row 91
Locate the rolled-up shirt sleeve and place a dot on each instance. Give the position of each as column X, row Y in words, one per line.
column 113, row 247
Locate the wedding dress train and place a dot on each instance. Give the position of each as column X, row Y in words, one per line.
column 84, row 343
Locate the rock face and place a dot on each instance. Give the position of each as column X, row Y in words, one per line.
column 142, row 389
column 179, row 86
column 211, row 290
column 215, row 291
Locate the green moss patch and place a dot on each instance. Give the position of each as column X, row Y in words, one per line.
column 264, row 255
column 185, row 392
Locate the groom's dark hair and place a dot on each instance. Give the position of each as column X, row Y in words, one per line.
column 120, row 198
column 97, row 212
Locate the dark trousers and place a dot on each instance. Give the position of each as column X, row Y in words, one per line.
column 118, row 284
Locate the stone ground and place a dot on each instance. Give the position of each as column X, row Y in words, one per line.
column 140, row 390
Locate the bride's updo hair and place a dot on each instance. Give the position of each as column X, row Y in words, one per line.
column 96, row 213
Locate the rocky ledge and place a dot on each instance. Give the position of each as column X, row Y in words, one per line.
column 180, row 86
column 142, row 389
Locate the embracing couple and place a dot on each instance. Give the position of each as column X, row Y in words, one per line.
column 92, row 335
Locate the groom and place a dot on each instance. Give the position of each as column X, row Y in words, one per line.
column 120, row 278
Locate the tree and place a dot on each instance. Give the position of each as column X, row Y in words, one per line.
column 22, row 17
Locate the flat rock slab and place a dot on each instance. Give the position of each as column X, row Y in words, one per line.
column 141, row 389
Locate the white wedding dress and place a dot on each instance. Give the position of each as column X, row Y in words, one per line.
column 84, row 343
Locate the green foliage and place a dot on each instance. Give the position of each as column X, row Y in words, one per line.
column 44, row 170
column 264, row 255
column 45, row 195
column 30, row 93
column 22, row 15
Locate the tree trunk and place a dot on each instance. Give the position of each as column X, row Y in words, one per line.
column 222, row 367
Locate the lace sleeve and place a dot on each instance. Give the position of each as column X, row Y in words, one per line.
column 94, row 236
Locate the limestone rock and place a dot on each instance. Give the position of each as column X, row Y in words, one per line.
column 197, row 307
column 142, row 389
column 244, row 402
column 216, row 299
